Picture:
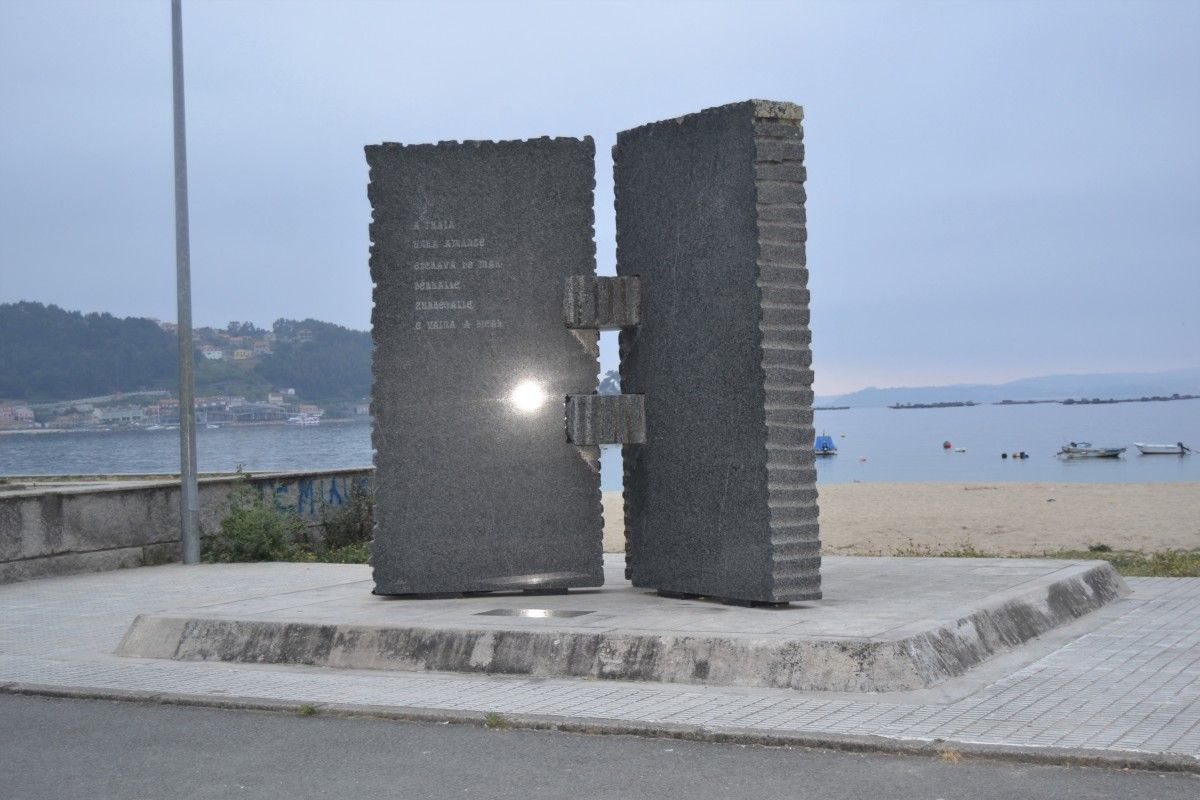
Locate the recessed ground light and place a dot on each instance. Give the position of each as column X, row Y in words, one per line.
column 530, row 612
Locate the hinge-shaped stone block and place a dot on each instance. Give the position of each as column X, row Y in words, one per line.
column 594, row 419
column 601, row 303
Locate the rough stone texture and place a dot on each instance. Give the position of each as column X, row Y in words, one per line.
column 721, row 501
column 50, row 527
column 472, row 244
column 594, row 419
column 602, row 303
column 932, row 620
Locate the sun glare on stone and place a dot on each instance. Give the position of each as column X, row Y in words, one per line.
column 528, row 396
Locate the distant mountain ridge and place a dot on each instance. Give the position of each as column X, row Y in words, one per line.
column 1044, row 387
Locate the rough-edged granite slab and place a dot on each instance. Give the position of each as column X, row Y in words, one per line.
column 476, row 489
column 721, row 499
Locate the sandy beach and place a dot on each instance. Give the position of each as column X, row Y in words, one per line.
column 1000, row 518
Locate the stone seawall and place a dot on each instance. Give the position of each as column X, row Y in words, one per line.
column 62, row 526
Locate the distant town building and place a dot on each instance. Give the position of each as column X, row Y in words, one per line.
column 258, row 412
column 217, row 401
column 118, row 415
column 74, row 420
column 262, row 348
column 211, row 352
column 275, row 398
column 15, row 415
column 304, row 335
column 242, row 354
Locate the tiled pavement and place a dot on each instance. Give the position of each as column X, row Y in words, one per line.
column 1130, row 683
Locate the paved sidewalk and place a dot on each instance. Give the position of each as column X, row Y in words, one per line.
column 1129, row 683
column 883, row 625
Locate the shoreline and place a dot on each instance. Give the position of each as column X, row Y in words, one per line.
column 998, row 518
column 279, row 424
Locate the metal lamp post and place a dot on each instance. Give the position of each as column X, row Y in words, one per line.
column 189, row 500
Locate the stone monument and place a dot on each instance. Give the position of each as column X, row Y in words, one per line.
column 487, row 307
column 721, row 500
column 483, row 261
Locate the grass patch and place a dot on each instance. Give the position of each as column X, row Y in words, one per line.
column 1136, row 564
column 495, row 721
column 964, row 550
column 1130, row 563
column 306, row 710
column 949, row 755
column 349, row 554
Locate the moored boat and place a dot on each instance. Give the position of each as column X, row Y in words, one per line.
column 824, row 446
column 1177, row 449
column 1086, row 450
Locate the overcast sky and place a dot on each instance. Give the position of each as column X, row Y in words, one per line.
column 995, row 189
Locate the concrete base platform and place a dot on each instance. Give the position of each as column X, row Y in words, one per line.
column 885, row 624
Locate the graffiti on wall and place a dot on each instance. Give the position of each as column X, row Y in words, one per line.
column 308, row 496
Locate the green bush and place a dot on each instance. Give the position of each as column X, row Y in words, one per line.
column 255, row 530
column 351, row 523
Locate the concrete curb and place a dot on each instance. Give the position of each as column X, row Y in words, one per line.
column 882, row 745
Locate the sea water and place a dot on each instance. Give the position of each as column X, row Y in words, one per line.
column 874, row 444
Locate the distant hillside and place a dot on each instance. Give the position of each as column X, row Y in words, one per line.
column 329, row 362
column 1046, row 387
column 47, row 353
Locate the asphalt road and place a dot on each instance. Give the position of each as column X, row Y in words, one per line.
column 62, row 749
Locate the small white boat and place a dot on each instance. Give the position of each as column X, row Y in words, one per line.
column 1086, row 450
column 1176, row 449
column 212, row 427
column 304, row 419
